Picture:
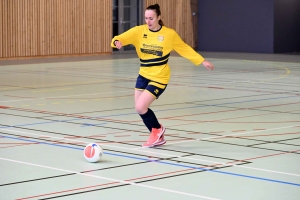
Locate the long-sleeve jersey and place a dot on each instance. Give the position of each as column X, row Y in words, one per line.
column 153, row 49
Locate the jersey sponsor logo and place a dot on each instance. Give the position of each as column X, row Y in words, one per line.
column 153, row 52
column 145, row 36
column 152, row 49
column 156, row 91
column 160, row 38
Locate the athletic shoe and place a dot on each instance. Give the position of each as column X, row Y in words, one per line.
column 161, row 141
column 155, row 134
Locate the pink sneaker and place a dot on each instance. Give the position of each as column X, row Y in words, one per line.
column 155, row 136
column 161, row 141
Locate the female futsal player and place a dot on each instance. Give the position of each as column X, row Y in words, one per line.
column 154, row 42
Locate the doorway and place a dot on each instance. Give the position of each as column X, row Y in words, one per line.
column 126, row 14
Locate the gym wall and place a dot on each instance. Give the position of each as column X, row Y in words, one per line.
column 39, row 28
column 32, row 28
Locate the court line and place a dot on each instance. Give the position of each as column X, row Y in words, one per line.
column 186, row 166
column 110, row 179
column 266, row 135
column 99, row 185
column 224, row 136
column 197, row 106
column 42, row 98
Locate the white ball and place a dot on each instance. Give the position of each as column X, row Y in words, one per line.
column 93, row 152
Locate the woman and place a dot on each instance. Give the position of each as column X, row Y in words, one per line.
column 154, row 42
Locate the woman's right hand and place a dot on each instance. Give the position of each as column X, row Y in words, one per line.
column 118, row 44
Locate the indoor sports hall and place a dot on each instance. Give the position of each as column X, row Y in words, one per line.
column 231, row 133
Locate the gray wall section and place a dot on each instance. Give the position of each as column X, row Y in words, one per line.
column 235, row 25
column 287, row 26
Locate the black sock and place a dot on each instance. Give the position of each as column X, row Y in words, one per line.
column 150, row 120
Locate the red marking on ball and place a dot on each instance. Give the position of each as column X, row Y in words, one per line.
column 89, row 152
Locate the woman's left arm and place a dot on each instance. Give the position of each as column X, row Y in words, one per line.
column 189, row 53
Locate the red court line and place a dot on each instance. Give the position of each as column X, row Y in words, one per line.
column 259, row 135
column 275, row 105
column 122, row 135
column 96, row 136
column 196, row 133
column 93, row 97
column 216, row 132
column 71, row 137
column 17, row 145
column 66, row 98
column 266, row 156
column 199, row 121
column 4, row 107
column 69, row 115
column 222, row 120
column 203, row 113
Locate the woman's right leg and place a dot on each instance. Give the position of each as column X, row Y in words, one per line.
column 143, row 100
column 144, row 95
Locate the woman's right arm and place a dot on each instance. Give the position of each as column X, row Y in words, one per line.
column 125, row 38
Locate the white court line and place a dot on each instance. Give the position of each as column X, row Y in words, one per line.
column 111, row 179
column 157, row 153
column 224, row 136
column 31, row 99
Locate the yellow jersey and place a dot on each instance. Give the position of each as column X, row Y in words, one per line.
column 153, row 49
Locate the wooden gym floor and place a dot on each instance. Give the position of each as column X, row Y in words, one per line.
column 232, row 134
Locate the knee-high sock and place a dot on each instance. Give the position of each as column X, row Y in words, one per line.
column 150, row 120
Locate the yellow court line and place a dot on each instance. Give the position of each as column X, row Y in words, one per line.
column 266, row 80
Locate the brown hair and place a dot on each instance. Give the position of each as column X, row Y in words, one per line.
column 156, row 8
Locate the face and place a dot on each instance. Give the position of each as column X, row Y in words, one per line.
column 152, row 19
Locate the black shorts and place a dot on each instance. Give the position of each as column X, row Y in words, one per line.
column 155, row 88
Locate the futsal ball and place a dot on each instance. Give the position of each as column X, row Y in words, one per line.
column 93, row 152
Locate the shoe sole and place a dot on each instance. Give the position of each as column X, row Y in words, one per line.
column 156, row 144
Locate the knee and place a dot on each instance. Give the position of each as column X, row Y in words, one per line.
column 140, row 108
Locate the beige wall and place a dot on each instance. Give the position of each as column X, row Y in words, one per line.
column 54, row 27
column 31, row 28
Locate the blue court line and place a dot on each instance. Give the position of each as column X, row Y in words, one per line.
column 161, row 162
column 86, row 124
column 97, row 117
column 53, row 121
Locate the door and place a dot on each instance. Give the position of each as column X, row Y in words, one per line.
column 126, row 14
